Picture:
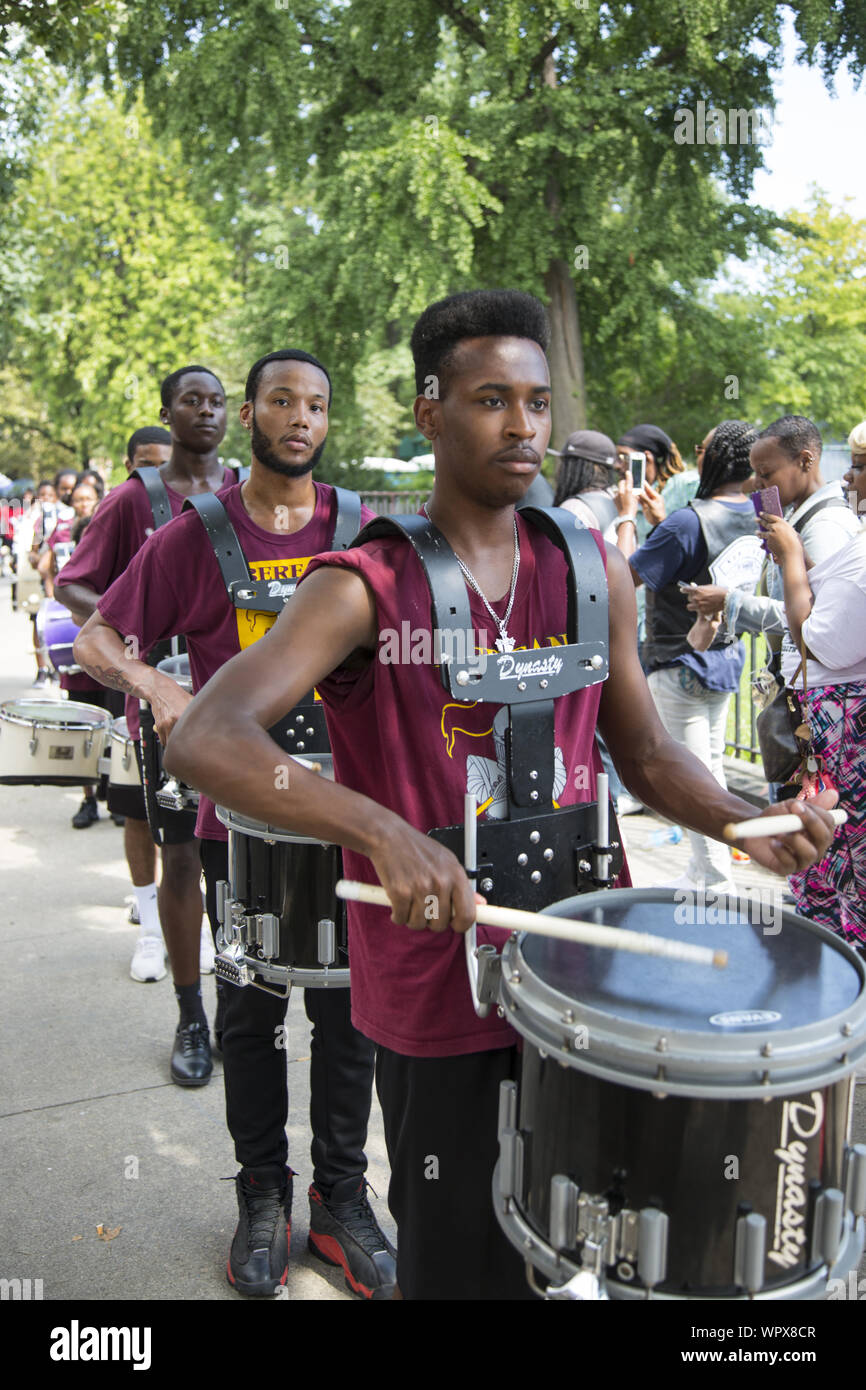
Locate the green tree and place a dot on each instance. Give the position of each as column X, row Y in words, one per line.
column 115, row 278
column 813, row 307
column 451, row 144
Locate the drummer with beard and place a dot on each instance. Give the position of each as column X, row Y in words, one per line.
column 282, row 517
column 194, row 411
column 402, row 765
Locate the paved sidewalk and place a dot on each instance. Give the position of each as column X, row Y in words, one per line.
column 92, row 1130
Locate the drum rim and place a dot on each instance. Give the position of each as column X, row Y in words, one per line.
column 165, row 666
column 692, row 1064
column 260, row 830
column 70, row 724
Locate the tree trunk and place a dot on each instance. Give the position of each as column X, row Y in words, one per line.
column 568, row 389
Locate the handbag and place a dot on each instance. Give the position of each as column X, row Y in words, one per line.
column 784, row 736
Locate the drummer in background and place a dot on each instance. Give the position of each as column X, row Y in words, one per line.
column 404, row 770
column 150, row 445
column 78, row 684
column 194, row 409
column 282, row 518
column 40, row 522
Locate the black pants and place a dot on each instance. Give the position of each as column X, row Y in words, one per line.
column 440, row 1128
column 254, row 1065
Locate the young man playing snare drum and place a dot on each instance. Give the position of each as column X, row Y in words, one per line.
column 403, row 760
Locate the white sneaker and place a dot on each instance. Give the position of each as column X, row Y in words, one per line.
column 148, row 963
column 206, row 954
column 628, row 805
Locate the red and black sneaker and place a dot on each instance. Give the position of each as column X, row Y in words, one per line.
column 258, row 1261
column 344, row 1232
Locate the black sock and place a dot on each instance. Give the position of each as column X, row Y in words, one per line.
column 190, row 1004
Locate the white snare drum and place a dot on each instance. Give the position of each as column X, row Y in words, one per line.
column 51, row 743
column 123, row 770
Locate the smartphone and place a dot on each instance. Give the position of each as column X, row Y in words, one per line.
column 766, row 499
column 637, row 464
column 686, row 588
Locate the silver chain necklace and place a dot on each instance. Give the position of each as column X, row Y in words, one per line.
column 503, row 642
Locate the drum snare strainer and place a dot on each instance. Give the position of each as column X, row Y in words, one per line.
column 679, row 1132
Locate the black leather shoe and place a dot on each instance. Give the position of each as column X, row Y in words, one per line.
column 344, row 1232
column 191, row 1063
column 258, row 1261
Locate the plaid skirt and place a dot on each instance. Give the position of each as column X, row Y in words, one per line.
column 833, row 891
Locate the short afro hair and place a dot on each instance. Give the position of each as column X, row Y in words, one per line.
column 283, row 355
column 473, row 314
column 148, row 434
column 171, row 383
column 794, row 433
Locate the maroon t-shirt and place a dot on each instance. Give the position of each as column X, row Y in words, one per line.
column 174, row 587
column 118, row 529
column 399, row 738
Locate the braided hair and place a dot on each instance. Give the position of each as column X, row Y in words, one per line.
column 575, row 475
column 727, row 456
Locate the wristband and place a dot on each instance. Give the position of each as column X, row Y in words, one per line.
column 621, row 520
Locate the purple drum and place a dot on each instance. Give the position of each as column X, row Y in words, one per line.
column 57, row 631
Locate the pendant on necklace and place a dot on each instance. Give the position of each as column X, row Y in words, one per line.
column 504, row 643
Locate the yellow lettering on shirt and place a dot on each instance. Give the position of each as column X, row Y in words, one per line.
column 252, row 623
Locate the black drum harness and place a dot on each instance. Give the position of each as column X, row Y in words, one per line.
column 537, row 854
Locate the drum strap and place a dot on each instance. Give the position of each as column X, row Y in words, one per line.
column 527, row 684
column 303, row 729
column 157, row 494
column 583, row 661
column 243, row 590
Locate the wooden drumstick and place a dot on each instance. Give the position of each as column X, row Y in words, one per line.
column 762, row 827
column 564, row 928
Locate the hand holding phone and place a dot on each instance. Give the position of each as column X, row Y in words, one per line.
column 766, row 499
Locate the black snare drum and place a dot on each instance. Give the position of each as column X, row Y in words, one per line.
column 281, row 921
column 678, row 1131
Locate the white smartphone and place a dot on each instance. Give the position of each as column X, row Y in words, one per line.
column 637, row 464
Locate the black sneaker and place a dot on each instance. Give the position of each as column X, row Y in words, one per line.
column 191, row 1063
column 258, row 1261
column 86, row 814
column 344, row 1232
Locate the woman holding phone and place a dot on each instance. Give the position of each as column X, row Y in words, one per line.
column 715, row 536
column 825, row 606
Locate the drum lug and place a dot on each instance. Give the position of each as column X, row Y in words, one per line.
column 828, row 1226
column 855, row 1178
column 222, row 899
column 652, row 1260
column 564, row 1197
column 508, row 1107
column 750, row 1247
column 327, row 942
column 34, row 741
column 511, row 1163
column 268, row 932
column 88, row 745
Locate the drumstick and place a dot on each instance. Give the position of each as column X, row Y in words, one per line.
column 565, row 928
column 763, row 826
